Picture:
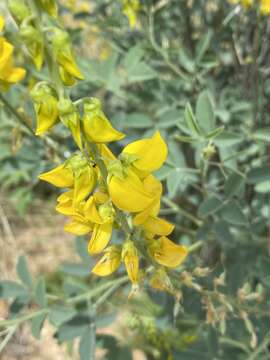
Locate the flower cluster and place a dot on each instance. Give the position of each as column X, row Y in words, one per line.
column 264, row 5
column 106, row 193
column 103, row 192
column 8, row 73
column 130, row 9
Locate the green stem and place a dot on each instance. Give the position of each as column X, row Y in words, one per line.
column 195, row 247
column 16, row 114
column 10, row 334
column 92, row 293
column 263, row 346
column 181, row 211
column 19, row 320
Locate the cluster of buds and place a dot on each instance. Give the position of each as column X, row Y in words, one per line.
column 8, row 73
column 37, row 44
column 264, row 5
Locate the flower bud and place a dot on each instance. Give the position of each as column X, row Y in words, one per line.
column 45, row 103
column 64, row 54
column 109, row 262
column 19, row 10
column 49, row 6
column 34, row 42
column 209, row 151
column 69, row 115
column 97, row 127
column 131, row 260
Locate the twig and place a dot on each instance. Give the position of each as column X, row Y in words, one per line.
column 260, row 348
column 8, row 337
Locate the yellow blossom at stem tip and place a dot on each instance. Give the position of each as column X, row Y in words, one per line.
column 109, row 262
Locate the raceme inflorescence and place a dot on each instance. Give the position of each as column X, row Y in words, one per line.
column 103, row 193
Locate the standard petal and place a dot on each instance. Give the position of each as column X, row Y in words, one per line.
column 151, row 153
column 129, row 194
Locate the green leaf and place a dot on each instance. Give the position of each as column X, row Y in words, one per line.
column 227, row 138
column 23, row 272
column 209, row 206
column 11, row 289
column 72, row 329
column 216, row 132
column 133, row 57
column 37, row 324
column 40, row 293
column 141, row 72
column 81, row 249
column 80, row 270
column 262, row 134
column 186, row 61
column 138, row 120
column 233, row 214
column 263, row 187
column 59, row 315
column 85, row 345
column 259, row 174
column 185, row 139
column 234, row 185
column 191, row 121
column 205, row 112
column 203, row 45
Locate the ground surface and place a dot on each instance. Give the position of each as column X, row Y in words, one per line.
column 40, row 237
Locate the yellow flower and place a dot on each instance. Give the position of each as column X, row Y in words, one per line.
column 69, row 115
column 2, row 23
column 109, row 262
column 265, row 7
column 34, row 42
column 50, row 7
column 65, row 203
column 97, row 127
column 157, row 226
column 8, row 74
column 66, row 78
column 100, row 238
column 45, row 103
column 128, row 193
column 160, row 281
column 130, row 9
column 78, row 228
column 84, row 182
column 64, row 55
column 103, row 218
column 153, row 186
column 131, row 260
column 149, row 154
column 61, row 176
column 167, row 253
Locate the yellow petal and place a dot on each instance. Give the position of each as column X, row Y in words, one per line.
column 131, row 260
column 16, row 75
column 100, row 197
column 77, row 228
column 61, row 176
column 67, row 79
column 160, row 281
column 158, row 226
column 2, row 23
column 96, row 126
column 153, row 186
column 67, row 61
column 167, row 253
column 100, row 238
column 91, row 212
column 151, row 153
column 109, row 262
column 47, row 114
column 65, row 203
column 84, row 184
column 129, row 194
column 106, row 153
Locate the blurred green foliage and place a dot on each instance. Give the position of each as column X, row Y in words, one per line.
column 199, row 72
